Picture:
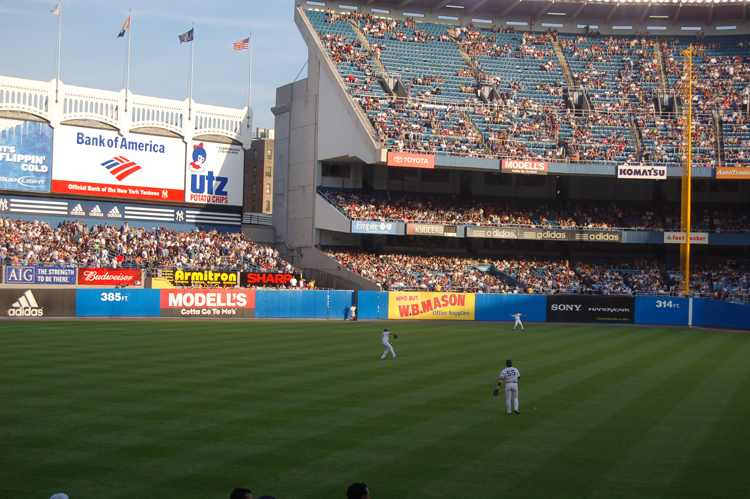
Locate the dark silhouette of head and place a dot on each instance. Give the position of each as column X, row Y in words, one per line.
column 509, row 363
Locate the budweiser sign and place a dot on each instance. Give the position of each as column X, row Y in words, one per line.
column 108, row 277
column 411, row 160
column 518, row 166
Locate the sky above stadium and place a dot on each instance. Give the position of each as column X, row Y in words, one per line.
column 93, row 56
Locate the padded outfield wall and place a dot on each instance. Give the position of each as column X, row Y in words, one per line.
column 39, row 302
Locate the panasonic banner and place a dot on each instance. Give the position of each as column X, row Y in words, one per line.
column 214, row 174
column 25, row 155
column 102, row 163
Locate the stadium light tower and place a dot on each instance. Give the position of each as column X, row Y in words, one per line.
column 687, row 162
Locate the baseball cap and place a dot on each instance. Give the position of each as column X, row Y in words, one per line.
column 59, row 495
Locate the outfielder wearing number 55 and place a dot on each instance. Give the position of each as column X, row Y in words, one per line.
column 511, row 376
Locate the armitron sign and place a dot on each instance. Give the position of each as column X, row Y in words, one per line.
column 411, row 160
column 733, row 173
column 527, row 167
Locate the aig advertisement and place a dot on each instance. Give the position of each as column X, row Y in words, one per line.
column 588, row 308
column 214, row 174
column 40, row 275
column 440, row 306
column 101, row 163
column 25, row 155
column 207, row 303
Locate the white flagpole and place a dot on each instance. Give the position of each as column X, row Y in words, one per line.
column 59, row 30
column 192, row 51
column 250, row 85
column 127, row 64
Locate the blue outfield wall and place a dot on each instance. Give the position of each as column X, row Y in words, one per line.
column 668, row 311
column 298, row 304
column 118, row 303
column 373, row 305
column 713, row 313
column 498, row 307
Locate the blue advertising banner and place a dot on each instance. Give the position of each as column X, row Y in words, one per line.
column 40, row 275
column 25, row 155
column 661, row 310
column 118, row 302
column 360, row 227
column 113, row 212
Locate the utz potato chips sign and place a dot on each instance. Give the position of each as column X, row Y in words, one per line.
column 434, row 306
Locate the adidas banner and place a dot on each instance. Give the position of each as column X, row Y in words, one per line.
column 102, row 163
column 40, row 275
column 38, row 302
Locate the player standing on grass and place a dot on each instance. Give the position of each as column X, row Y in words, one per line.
column 517, row 317
column 510, row 375
column 387, row 344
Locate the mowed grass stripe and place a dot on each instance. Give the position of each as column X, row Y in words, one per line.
column 167, row 407
column 645, row 471
column 487, row 439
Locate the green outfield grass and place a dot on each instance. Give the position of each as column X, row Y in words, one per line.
column 192, row 409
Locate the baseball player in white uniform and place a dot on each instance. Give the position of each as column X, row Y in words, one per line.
column 517, row 317
column 510, row 375
column 387, row 344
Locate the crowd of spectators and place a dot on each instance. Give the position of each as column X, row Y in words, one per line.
column 75, row 243
column 405, row 272
column 452, row 209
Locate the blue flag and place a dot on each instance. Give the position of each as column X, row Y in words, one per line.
column 187, row 37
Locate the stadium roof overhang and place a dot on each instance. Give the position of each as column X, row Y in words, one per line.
column 674, row 11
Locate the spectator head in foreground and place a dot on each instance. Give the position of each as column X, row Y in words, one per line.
column 358, row 490
column 60, row 495
column 241, row 493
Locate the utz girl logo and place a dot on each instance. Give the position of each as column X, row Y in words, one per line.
column 199, row 157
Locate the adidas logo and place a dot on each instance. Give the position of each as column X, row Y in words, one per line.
column 78, row 211
column 26, row 306
column 96, row 212
column 114, row 213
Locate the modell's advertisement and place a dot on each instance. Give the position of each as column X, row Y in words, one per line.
column 214, row 174
column 25, row 155
column 102, row 163
column 208, row 303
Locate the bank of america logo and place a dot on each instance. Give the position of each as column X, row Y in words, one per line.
column 121, row 167
column 25, row 306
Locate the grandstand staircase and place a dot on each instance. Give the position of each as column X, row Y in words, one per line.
column 635, row 134
column 487, row 92
column 480, row 135
column 564, row 66
column 718, row 123
column 663, row 81
column 390, row 84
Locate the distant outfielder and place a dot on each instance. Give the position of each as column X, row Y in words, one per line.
column 511, row 375
column 387, row 344
column 517, row 317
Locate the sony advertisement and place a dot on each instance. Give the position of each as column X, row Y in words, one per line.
column 102, row 163
column 590, row 308
column 25, row 155
column 214, row 174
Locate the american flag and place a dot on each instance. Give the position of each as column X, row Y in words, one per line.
column 242, row 44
